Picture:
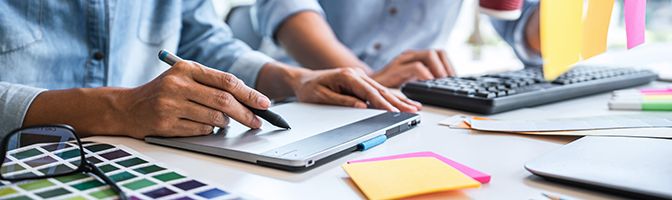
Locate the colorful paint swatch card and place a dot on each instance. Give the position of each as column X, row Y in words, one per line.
column 596, row 27
column 635, row 21
column 138, row 176
column 561, row 35
column 475, row 174
column 399, row 178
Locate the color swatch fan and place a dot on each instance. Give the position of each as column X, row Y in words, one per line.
column 139, row 177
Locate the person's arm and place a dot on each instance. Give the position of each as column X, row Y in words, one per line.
column 523, row 34
column 308, row 38
column 14, row 102
column 186, row 100
column 300, row 28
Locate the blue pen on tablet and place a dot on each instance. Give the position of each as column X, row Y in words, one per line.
column 267, row 115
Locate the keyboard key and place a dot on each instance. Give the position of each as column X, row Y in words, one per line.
column 488, row 95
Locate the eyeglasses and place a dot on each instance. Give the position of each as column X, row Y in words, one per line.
column 46, row 152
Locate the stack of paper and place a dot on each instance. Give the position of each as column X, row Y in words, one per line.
column 637, row 125
column 406, row 175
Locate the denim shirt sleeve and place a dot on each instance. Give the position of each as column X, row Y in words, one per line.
column 15, row 100
column 270, row 14
column 206, row 39
column 513, row 32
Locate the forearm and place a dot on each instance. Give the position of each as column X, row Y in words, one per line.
column 308, row 38
column 91, row 111
column 532, row 35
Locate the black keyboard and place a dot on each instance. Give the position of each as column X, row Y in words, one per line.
column 524, row 88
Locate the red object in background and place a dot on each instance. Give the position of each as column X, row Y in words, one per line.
column 502, row 9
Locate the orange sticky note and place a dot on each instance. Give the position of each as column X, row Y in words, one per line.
column 596, row 27
column 399, row 178
column 561, row 35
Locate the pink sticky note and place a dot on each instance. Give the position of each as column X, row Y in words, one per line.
column 475, row 174
column 635, row 20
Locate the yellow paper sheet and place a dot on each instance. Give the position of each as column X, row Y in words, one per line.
column 393, row 179
column 561, row 35
column 596, row 27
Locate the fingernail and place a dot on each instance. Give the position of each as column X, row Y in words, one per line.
column 263, row 102
column 256, row 122
column 395, row 110
column 360, row 105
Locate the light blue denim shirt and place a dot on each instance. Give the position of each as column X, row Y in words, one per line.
column 379, row 30
column 93, row 43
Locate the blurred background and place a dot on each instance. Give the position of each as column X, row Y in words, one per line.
column 478, row 49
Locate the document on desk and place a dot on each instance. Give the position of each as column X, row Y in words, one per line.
column 464, row 122
column 574, row 124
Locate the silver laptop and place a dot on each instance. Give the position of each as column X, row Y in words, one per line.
column 319, row 134
column 629, row 166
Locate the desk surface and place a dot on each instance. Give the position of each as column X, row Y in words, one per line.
column 501, row 155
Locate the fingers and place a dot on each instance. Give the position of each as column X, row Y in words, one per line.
column 392, row 98
column 205, row 115
column 417, row 105
column 365, row 90
column 420, row 71
column 230, row 83
column 446, row 62
column 332, row 97
column 224, row 102
column 431, row 59
column 185, row 128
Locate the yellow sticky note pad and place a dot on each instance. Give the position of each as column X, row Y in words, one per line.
column 561, row 35
column 596, row 27
column 398, row 178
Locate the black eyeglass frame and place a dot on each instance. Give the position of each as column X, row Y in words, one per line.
column 84, row 167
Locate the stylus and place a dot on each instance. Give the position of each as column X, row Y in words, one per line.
column 267, row 115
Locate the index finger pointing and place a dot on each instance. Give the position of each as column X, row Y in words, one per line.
column 230, row 83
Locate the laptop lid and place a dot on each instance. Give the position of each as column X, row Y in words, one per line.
column 636, row 167
column 318, row 132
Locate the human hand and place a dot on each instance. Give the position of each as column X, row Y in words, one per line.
column 415, row 65
column 349, row 87
column 188, row 99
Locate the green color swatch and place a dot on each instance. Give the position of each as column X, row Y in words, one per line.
column 36, row 184
column 139, row 184
column 98, row 147
column 53, row 193
column 76, row 198
column 168, row 176
column 88, row 184
column 122, row 176
column 104, row 193
column 70, row 154
column 58, row 169
column 20, row 198
column 149, row 169
column 12, row 168
column 131, row 162
column 27, row 154
column 65, row 179
column 7, row 191
column 107, row 168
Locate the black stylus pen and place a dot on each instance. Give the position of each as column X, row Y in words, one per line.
column 267, row 115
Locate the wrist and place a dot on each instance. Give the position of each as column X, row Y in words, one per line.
column 108, row 116
column 278, row 80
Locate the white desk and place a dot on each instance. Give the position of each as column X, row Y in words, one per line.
column 501, row 155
